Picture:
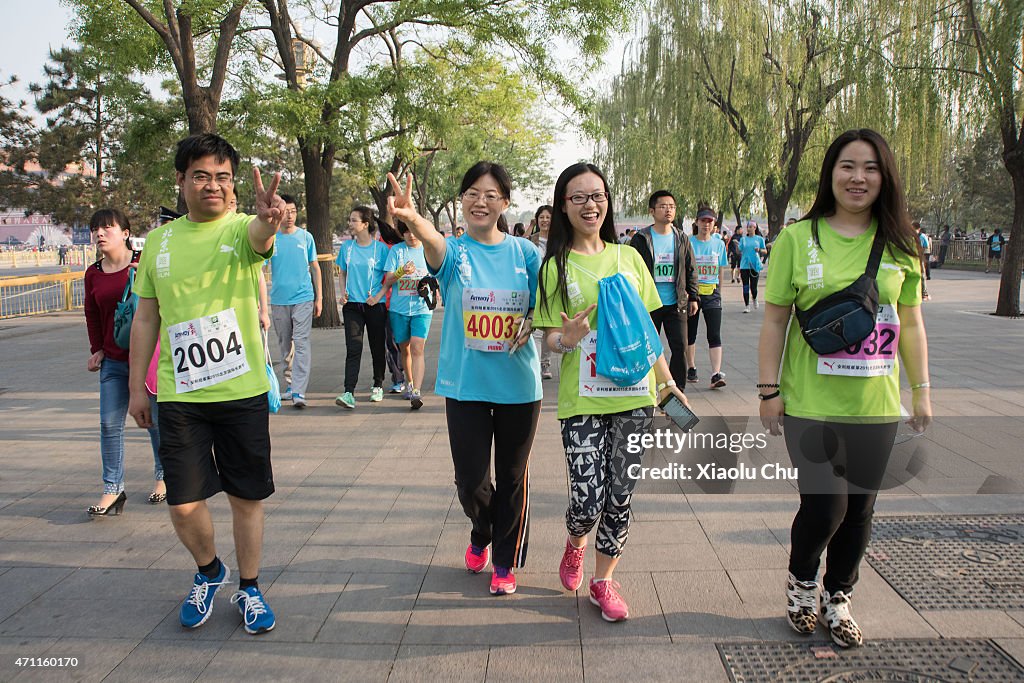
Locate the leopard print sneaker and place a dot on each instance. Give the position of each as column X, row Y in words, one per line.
column 802, row 603
column 835, row 610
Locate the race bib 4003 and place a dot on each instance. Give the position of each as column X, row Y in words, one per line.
column 490, row 317
column 207, row 351
column 874, row 356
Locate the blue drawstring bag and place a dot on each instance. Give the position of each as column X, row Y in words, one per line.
column 274, row 395
column 627, row 342
column 124, row 313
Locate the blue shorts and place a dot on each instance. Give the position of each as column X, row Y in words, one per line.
column 404, row 327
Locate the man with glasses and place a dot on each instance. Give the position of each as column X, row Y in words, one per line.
column 669, row 257
column 197, row 287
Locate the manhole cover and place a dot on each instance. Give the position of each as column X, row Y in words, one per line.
column 919, row 661
column 974, row 562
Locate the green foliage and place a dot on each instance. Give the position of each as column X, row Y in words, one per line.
column 17, row 135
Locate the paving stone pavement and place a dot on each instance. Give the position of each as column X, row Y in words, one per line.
column 364, row 536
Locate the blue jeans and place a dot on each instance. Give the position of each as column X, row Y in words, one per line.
column 113, row 410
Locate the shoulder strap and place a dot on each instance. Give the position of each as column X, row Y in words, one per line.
column 877, row 247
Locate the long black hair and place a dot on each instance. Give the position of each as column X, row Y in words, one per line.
column 560, row 234
column 889, row 209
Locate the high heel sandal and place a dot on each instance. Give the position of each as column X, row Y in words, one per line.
column 114, row 508
column 157, row 498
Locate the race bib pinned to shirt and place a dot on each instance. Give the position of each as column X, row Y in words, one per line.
column 664, row 267
column 490, row 317
column 207, row 351
column 874, row 356
column 594, row 385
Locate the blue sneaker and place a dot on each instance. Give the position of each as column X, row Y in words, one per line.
column 396, row 388
column 198, row 606
column 287, row 395
column 256, row 613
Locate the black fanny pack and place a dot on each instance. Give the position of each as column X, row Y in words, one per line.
column 846, row 317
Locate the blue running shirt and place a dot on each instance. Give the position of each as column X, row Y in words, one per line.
column 289, row 268
column 709, row 257
column 749, row 258
column 405, row 298
column 364, row 269
column 665, row 267
column 486, row 289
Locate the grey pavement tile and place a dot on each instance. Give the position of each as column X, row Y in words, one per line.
column 96, row 659
column 535, row 663
column 362, row 558
column 21, row 585
column 653, row 662
column 646, row 623
column 974, row 623
column 699, row 604
column 390, row 533
column 59, row 615
column 306, row 503
column 50, row 553
column 370, row 503
column 119, row 584
column 256, row 661
column 164, row 660
column 373, row 608
column 440, row 663
column 539, row 613
column 1017, row 615
column 989, row 504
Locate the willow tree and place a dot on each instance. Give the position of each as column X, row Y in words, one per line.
column 725, row 95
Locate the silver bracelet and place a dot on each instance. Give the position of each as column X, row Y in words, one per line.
column 562, row 348
column 922, row 385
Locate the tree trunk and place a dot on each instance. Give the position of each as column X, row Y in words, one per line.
column 776, row 201
column 318, row 222
column 1008, row 303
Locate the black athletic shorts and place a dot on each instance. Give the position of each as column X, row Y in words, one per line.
column 206, row 448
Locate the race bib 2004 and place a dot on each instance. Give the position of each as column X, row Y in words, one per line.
column 207, row 351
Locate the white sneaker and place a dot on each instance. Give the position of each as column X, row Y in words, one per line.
column 835, row 610
column 755, row 304
column 746, row 309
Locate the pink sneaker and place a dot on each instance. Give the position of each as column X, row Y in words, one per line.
column 605, row 594
column 503, row 581
column 570, row 571
column 476, row 558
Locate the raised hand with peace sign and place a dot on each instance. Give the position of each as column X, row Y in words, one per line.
column 402, row 207
column 269, row 212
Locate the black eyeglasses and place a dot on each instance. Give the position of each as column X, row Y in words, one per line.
column 597, row 197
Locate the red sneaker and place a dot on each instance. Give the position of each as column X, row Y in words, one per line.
column 570, row 571
column 476, row 558
column 503, row 581
column 605, row 594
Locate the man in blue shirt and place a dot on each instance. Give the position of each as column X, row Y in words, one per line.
column 295, row 297
column 669, row 257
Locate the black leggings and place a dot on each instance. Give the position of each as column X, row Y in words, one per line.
column 713, row 323
column 749, row 276
column 374, row 319
column 500, row 511
column 841, row 469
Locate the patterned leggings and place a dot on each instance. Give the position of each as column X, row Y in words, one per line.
column 598, row 459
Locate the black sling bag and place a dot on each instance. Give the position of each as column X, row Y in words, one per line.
column 848, row 316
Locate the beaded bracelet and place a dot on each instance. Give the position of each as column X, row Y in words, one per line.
column 562, row 348
column 767, row 386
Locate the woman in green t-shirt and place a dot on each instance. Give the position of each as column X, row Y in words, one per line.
column 842, row 410
column 601, row 422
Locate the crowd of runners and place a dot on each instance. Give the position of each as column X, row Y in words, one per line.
column 195, row 372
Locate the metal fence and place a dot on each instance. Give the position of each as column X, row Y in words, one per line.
column 36, row 294
column 76, row 256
